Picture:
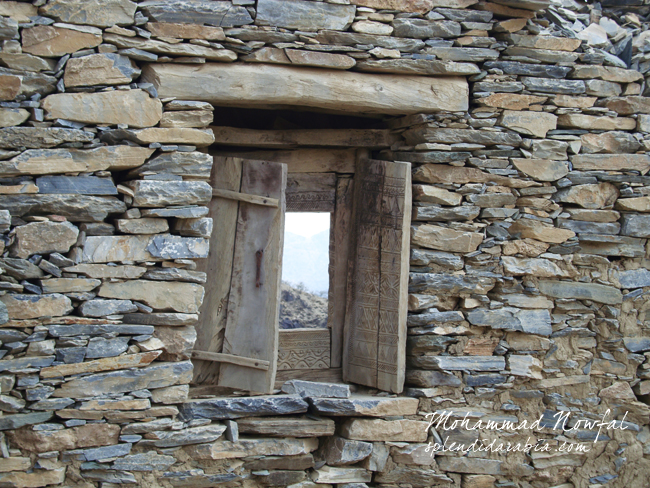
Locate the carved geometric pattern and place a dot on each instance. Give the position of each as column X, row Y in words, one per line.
column 312, row 201
column 304, row 349
column 373, row 345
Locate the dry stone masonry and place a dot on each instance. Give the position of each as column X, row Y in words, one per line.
column 527, row 124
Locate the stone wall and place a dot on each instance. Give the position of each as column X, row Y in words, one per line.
column 529, row 247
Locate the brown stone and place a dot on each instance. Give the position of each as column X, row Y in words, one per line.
column 609, row 142
column 511, row 101
column 186, row 31
column 194, row 137
column 542, row 169
column 15, row 464
column 48, row 41
column 620, row 391
column 587, row 215
column 12, row 116
column 189, row 118
column 629, row 105
column 34, row 479
column 385, row 430
column 91, row 435
column 607, row 73
column 415, row 6
column 253, row 447
column 638, row 204
column 529, row 123
column 113, row 107
column 592, row 122
column 433, row 194
column 177, row 342
column 540, row 231
column 36, row 306
column 593, row 196
column 437, row 173
column 510, row 25
column 9, row 87
column 100, row 69
column 43, row 238
column 574, row 102
column 104, row 13
column 69, row 285
column 104, row 364
column 545, row 42
column 445, row 239
column 612, row 162
column 160, row 295
column 528, row 247
column 166, row 48
column 18, row 11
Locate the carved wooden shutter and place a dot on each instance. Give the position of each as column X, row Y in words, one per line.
column 374, row 350
column 237, row 334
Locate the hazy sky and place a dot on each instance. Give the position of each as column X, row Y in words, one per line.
column 306, row 224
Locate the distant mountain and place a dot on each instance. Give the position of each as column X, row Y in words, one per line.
column 306, row 260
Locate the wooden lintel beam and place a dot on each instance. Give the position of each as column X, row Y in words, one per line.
column 232, row 359
column 245, row 197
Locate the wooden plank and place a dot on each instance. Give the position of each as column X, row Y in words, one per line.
column 253, row 305
column 301, row 160
column 286, row 426
column 244, row 197
column 311, row 192
column 229, row 358
column 374, row 351
column 370, row 138
column 304, row 349
column 340, row 231
column 273, row 86
column 226, row 175
column 331, row 375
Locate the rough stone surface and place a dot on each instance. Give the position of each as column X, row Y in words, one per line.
column 100, row 69
column 49, row 41
column 34, row 306
column 232, row 408
column 112, row 107
column 160, row 295
column 100, row 14
column 43, row 238
column 302, row 15
column 529, row 123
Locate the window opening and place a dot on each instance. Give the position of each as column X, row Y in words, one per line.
column 305, row 270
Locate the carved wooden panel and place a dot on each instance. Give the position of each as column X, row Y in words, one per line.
column 375, row 335
column 311, row 192
column 304, row 349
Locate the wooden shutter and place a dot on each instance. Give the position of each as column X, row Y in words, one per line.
column 237, row 334
column 375, row 327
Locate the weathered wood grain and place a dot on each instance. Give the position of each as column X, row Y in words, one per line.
column 253, row 305
column 311, row 192
column 301, row 160
column 273, row 86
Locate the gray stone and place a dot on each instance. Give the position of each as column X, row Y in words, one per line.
column 498, row 87
column 179, row 213
column 338, row 451
column 32, row 83
column 510, row 318
column 100, row 69
column 99, row 347
column 152, row 193
column 488, row 379
column 175, row 274
column 87, row 185
column 425, row 257
column 416, row 476
column 12, row 422
column 449, row 284
column 11, row 404
column 147, row 225
column 637, row 344
column 75, row 208
column 353, row 39
column 492, row 200
column 52, row 404
column 471, row 54
column 525, row 69
column 580, row 227
column 5, row 220
column 468, row 363
column 303, row 15
column 95, row 330
column 195, row 164
column 222, row 14
column 425, row 29
column 101, row 14
column 186, row 437
column 436, row 213
column 43, row 238
column 468, row 15
column 612, row 245
column 97, row 453
column 314, row 389
column 145, row 461
column 565, row 87
column 159, row 375
column 194, row 227
column 423, row 344
column 543, row 55
column 425, row 156
column 26, row 362
column 37, row 137
column 635, row 225
column 550, row 149
column 232, row 408
column 176, row 247
column 636, row 278
column 581, row 291
column 417, row 67
column 106, row 249
column 36, row 306
column 434, row 318
column 8, row 28
column 172, row 319
column 4, row 314
column 434, row 134
column 476, row 465
column 102, row 308
column 21, row 269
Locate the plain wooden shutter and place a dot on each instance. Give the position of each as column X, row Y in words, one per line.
column 237, row 334
column 374, row 350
